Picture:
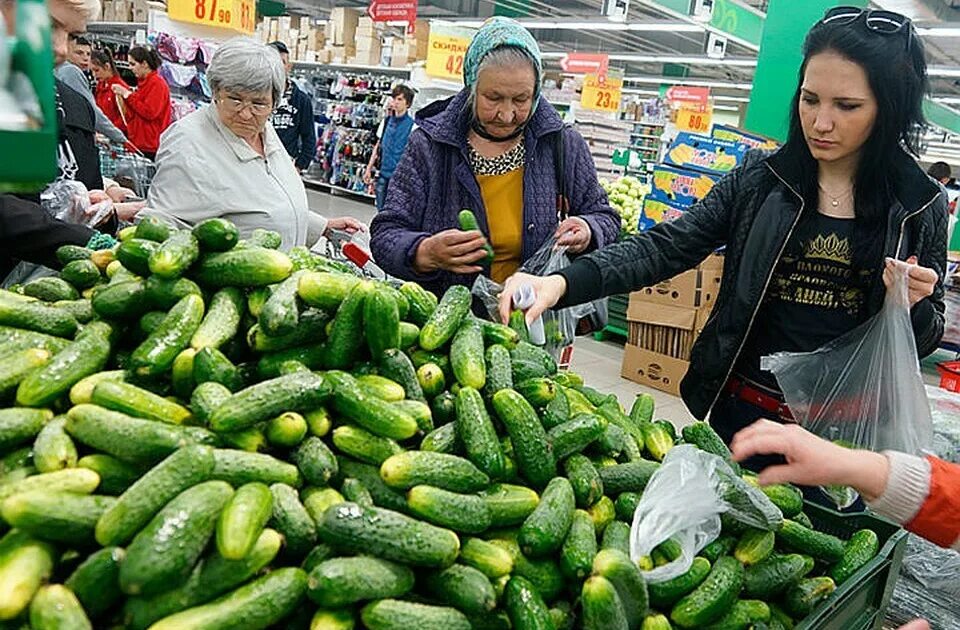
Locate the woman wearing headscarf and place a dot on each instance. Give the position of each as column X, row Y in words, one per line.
column 494, row 149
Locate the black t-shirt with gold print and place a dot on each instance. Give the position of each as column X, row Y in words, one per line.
column 815, row 295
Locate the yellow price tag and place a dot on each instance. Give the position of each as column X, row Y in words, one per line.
column 445, row 56
column 601, row 93
column 697, row 122
column 236, row 15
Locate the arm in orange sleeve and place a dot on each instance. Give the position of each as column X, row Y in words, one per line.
column 923, row 495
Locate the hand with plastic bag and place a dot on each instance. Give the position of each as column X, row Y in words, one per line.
column 684, row 500
column 863, row 389
column 560, row 326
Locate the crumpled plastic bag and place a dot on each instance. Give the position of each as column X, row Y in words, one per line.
column 559, row 325
column 683, row 501
column 863, row 389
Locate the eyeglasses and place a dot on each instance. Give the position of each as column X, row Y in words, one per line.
column 877, row 20
column 236, row 105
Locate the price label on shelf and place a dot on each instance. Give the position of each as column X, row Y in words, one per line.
column 235, row 15
column 602, row 93
column 446, row 48
column 697, row 122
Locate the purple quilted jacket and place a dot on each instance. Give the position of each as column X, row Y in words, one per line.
column 434, row 182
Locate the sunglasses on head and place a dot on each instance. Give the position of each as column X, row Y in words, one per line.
column 877, row 20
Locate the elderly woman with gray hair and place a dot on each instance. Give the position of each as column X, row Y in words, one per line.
column 501, row 150
column 226, row 160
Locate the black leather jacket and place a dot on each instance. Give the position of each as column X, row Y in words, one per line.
column 753, row 211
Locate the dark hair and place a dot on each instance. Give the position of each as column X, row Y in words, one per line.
column 104, row 58
column 281, row 47
column 147, row 55
column 405, row 91
column 79, row 39
column 939, row 171
column 897, row 74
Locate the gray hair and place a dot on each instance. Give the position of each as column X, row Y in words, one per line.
column 243, row 64
column 502, row 57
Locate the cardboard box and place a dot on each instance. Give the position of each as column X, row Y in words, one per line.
column 655, row 211
column 342, row 25
column 367, row 57
column 140, row 10
column 366, row 27
column 365, row 44
column 400, row 53
column 706, row 154
column 274, row 32
column 680, row 187
column 324, row 56
column 682, row 290
column 668, row 330
column 652, row 369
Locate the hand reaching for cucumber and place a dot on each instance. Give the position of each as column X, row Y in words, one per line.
column 451, row 250
column 548, row 289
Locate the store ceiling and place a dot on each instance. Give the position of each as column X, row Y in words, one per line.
column 943, row 51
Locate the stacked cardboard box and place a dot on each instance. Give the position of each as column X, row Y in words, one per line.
column 664, row 321
column 367, row 42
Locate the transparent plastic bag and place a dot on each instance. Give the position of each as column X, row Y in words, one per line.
column 560, row 326
column 684, row 500
column 863, row 389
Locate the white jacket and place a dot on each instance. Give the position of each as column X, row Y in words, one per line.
column 204, row 170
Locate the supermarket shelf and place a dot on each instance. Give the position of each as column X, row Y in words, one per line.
column 645, row 135
column 353, row 67
column 100, row 27
column 322, row 184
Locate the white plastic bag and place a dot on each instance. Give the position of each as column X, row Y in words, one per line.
column 863, row 389
column 683, row 501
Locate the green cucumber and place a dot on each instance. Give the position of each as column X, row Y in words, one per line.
column 656, row 440
column 55, row 607
column 53, row 449
column 312, row 325
column 667, row 593
column 216, row 235
column 181, row 376
column 526, row 606
column 431, row 379
column 755, row 545
column 574, row 436
column 602, row 609
column 462, row 587
column 281, row 312
column 489, row 559
column 383, row 495
column 319, row 500
column 25, row 564
column 642, row 410
column 629, row 477
column 206, row 398
column 121, row 300
column 467, row 513
column 257, row 605
column 518, row 323
column 389, row 614
column 811, row 542
column 316, row 461
column 443, row 440
column 397, row 366
column 346, row 333
column 539, row 392
column 166, row 550
column 409, row 335
column 446, row 318
column 499, row 370
column 82, row 391
column 722, row 546
column 153, row 229
column 468, row 223
column 767, row 579
column 175, row 255
column 422, row 302
column 258, row 403
column 477, row 433
column 544, row 531
column 87, row 355
column 129, row 439
column 419, row 411
column 702, row 435
column 222, row 320
column 603, row 512
column 389, row 535
column 712, row 598
column 286, row 430
column 138, row 402
column 586, row 482
column 466, row 355
column 333, row 620
column 509, row 504
column 292, row 520
column 363, row 445
column 381, row 387
column 243, row 520
column 156, row 354
column 449, row 472
column 95, row 581
column 115, row 476
column 239, row 467
column 495, row 333
column 163, row 294
column 801, row 598
column 150, row 320
column 19, row 426
column 51, row 289
column 444, row 408
column 318, row 421
column 745, row 613
column 355, row 492
column 579, row 547
column 318, row 554
column 82, row 310
column 209, row 364
column 616, row 536
column 556, row 412
column 247, row 267
column 371, row 413
column 859, row 550
column 134, row 255
column 67, row 254
column 326, row 290
column 533, row 453
column 339, row 582
column 63, row 517
column 381, row 321
column 16, row 339
column 261, row 237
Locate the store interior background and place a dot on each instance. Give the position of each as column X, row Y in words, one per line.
column 745, row 52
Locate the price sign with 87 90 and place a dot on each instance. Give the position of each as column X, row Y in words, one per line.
column 236, row 15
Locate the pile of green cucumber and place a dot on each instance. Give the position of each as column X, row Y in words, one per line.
column 202, row 432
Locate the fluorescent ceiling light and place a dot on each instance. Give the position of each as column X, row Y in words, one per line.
column 726, row 108
column 689, row 60
column 939, row 31
column 690, row 82
column 596, row 25
column 941, row 71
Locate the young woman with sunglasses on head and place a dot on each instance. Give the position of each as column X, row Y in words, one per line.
column 813, row 232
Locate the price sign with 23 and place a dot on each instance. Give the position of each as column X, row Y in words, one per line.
column 601, row 93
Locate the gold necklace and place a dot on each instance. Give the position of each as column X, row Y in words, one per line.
column 835, row 201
